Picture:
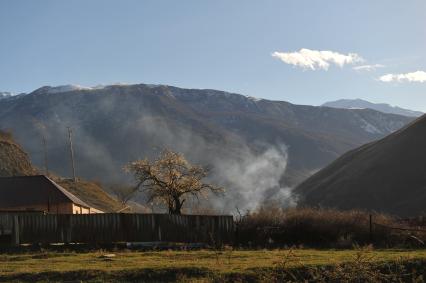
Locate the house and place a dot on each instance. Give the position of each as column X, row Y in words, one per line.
column 39, row 193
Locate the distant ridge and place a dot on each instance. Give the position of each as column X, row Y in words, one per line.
column 363, row 104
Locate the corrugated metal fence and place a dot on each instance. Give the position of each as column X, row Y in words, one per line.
column 114, row 227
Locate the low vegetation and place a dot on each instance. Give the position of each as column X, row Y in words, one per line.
column 276, row 227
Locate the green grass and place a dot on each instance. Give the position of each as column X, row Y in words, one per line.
column 172, row 265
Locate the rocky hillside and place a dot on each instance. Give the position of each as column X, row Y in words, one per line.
column 255, row 147
column 387, row 176
column 14, row 161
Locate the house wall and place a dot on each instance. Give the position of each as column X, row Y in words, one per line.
column 61, row 208
column 77, row 209
column 95, row 211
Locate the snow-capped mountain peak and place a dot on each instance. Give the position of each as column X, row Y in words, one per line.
column 6, row 94
column 66, row 88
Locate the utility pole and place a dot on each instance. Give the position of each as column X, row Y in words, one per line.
column 46, row 168
column 72, row 155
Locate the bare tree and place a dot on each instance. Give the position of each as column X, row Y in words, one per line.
column 170, row 180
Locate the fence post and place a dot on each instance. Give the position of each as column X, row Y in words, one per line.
column 371, row 228
column 15, row 231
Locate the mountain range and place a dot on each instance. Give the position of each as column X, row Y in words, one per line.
column 256, row 148
column 363, row 104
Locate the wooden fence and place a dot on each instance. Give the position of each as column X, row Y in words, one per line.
column 6, row 224
column 114, row 227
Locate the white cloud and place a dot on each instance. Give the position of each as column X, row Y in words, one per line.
column 418, row 76
column 316, row 59
column 368, row 67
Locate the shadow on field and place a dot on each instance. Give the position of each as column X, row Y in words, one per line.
column 398, row 271
column 133, row 275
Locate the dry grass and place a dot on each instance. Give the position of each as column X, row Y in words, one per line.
column 204, row 266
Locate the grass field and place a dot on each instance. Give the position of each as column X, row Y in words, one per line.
column 204, row 265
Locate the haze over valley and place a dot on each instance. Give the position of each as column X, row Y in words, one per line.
column 270, row 145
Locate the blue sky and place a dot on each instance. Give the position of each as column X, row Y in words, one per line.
column 221, row 44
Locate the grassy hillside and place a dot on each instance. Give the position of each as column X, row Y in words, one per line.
column 386, row 176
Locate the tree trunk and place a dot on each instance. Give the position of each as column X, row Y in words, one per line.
column 177, row 206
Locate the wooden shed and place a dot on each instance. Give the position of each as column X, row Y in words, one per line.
column 39, row 193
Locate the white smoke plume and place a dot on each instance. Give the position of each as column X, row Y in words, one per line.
column 256, row 178
column 250, row 177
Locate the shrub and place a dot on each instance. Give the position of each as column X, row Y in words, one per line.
column 274, row 226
